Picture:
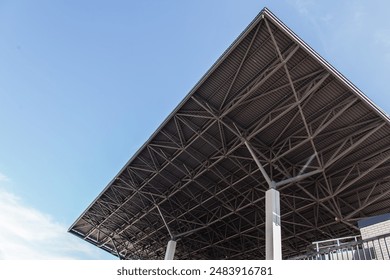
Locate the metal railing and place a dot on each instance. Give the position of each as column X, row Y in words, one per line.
column 375, row 248
column 330, row 243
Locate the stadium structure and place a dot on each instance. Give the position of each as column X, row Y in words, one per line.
column 272, row 150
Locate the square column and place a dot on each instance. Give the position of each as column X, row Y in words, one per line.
column 273, row 236
column 170, row 252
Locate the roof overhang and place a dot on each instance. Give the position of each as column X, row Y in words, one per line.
column 195, row 179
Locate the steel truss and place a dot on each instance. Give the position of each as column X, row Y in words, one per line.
column 195, row 180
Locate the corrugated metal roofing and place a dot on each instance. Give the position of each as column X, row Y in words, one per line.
column 273, row 91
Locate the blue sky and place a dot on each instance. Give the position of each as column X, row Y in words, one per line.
column 83, row 84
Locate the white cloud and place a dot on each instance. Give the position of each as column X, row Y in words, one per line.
column 3, row 178
column 26, row 233
column 303, row 6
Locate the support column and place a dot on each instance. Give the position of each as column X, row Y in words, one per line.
column 170, row 252
column 273, row 236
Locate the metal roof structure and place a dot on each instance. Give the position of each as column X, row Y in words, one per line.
column 195, row 179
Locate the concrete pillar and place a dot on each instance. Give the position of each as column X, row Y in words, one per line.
column 170, row 252
column 273, row 236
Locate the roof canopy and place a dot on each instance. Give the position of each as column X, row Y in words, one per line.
column 196, row 180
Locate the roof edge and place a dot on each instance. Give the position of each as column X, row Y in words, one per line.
column 369, row 221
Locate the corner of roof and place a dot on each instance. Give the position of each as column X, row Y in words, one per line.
column 265, row 12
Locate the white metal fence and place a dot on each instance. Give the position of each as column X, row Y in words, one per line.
column 375, row 248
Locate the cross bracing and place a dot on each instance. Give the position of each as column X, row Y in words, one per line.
column 269, row 97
